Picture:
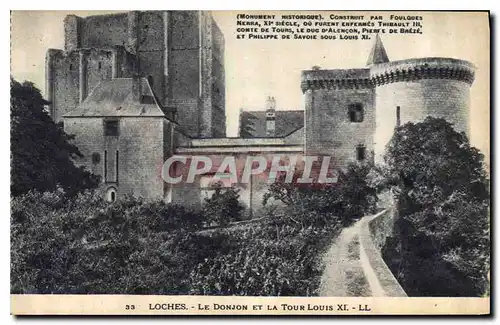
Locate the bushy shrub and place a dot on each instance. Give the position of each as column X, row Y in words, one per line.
column 442, row 197
column 85, row 245
column 223, row 206
column 275, row 257
column 352, row 197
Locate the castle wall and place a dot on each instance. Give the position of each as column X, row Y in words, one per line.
column 72, row 28
column 151, row 50
column 140, row 153
column 65, row 82
column 182, row 52
column 435, row 87
column 71, row 76
column 99, row 66
column 142, row 147
column 206, row 75
column 218, row 84
column 328, row 128
column 184, row 69
column 448, row 99
column 103, row 31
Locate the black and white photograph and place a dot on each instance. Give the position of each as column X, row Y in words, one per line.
column 250, row 162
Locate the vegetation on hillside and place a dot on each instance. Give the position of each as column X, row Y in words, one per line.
column 82, row 244
column 442, row 197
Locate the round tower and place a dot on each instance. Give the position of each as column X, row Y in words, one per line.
column 410, row 90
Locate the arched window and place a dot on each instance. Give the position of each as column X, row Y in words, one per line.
column 111, row 195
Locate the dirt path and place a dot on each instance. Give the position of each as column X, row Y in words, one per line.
column 347, row 270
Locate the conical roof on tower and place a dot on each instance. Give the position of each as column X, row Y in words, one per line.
column 378, row 53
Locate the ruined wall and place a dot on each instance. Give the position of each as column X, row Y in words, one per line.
column 104, row 31
column 206, row 75
column 124, row 63
column 99, row 66
column 140, row 153
column 218, row 83
column 63, row 82
column 182, row 52
column 71, row 76
column 328, row 128
column 151, row 50
column 184, row 68
column 72, row 28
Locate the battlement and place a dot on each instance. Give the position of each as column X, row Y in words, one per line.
column 422, row 68
column 389, row 72
column 335, row 79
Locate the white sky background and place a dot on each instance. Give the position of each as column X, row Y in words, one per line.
column 256, row 69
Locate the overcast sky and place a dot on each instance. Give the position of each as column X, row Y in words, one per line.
column 256, row 69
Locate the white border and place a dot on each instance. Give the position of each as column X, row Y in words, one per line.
column 198, row 5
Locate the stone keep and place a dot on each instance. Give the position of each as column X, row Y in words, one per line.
column 351, row 113
column 180, row 52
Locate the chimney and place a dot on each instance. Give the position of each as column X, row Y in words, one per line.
column 271, row 117
column 136, row 87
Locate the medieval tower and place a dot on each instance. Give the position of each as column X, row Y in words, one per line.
column 131, row 87
column 350, row 114
column 180, row 52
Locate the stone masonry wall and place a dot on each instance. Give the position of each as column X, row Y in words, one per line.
column 448, row 99
column 328, row 128
column 141, row 152
column 218, row 83
column 182, row 52
column 71, row 76
column 151, row 50
column 184, row 68
column 65, row 83
column 104, row 31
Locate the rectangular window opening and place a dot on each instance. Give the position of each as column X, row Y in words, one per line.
column 360, row 153
column 111, row 128
column 355, row 112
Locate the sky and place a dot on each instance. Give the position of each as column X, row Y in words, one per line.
column 256, row 69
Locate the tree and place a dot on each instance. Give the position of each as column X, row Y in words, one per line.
column 441, row 191
column 349, row 199
column 223, row 206
column 41, row 153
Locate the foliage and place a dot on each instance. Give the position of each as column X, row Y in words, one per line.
column 350, row 198
column 83, row 245
column 275, row 257
column 41, row 153
column 441, row 190
column 223, row 206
